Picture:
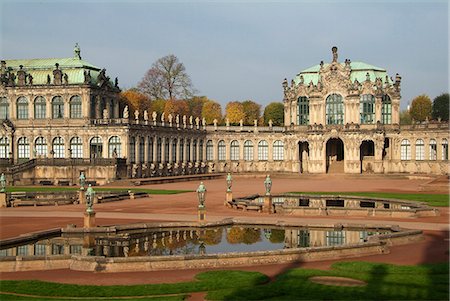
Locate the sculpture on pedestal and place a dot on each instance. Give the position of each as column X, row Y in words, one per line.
column 3, row 182
column 229, row 182
column 268, row 184
column 90, row 194
column 82, row 179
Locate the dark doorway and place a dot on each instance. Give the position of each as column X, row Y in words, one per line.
column 303, row 156
column 335, row 155
column 366, row 155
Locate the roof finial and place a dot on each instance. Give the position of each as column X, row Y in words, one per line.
column 77, row 51
column 335, row 54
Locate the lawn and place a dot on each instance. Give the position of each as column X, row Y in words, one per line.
column 62, row 189
column 437, row 200
column 384, row 282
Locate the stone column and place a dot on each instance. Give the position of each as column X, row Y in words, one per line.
column 155, row 149
column 163, row 149
column 146, row 141
column 170, row 150
column 136, row 149
column 178, row 150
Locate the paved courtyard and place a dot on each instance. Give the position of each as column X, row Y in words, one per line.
column 182, row 207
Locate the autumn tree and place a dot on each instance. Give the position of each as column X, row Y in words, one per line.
column 167, row 79
column 252, row 111
column 275, row 112
column 135, row 100
column 176, row 107
column 420, row 108
column 211, row 110
column 235, row 112
column 195, row 105
column 440, row 107
column 158, row 106
column 405, row 118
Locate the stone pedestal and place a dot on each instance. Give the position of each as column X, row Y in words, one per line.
column 201, row 213
column 89, row 219
column 3, row 199
column 228, row 198
column 82, row 196
column 267, row 206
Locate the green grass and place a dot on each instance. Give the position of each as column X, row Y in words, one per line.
column 437, row 200
column 384, row 282
column 6, row 297
column 62, row 189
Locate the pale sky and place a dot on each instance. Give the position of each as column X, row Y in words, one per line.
column 237, row 50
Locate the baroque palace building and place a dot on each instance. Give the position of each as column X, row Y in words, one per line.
column 63, row 116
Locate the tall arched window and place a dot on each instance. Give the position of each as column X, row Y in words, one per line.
column 444, row 149
column 132, row 149
column 114, row 147
column 420, row 149
column 23, row 150
column 40, row 108
column 405, row 150
column 57, row 107
column 194, row 154
column 40, row 145
column 96, row 147
column 263, row 150
column 174, row 150
column 278, row 150
column 58, row 147
column 4, row 108
column 201, row 151
column 75, row 107
column 209, row 150
column 433, row 149
column 150, row 149
column 367, row 109
column 221, row 150
column 159, row 150
column 76, row 147
column 234, row 150
column 334, row 109
column 4, row 147
column 182, row 150
column 386, row 109
column 141, row 149
column 166, row 149
column 303, row 110
column 188, row 150
column 22, row 108
column 248, row 150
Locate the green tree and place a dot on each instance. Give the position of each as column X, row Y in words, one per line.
column 440, row 107
column 235, row 112
column 405, row 118
column 274, row 111
column 212, row 110
column 252, row 111
column 158, row 106
column 420, row 108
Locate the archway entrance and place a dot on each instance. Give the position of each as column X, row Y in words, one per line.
column 366, row 155
column 303, row 156
column 335, row 156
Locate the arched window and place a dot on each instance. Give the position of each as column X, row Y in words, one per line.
column 158, row 150
column 132, row 149
column 57, row 107
column 263, row 150
column 221, row 150
column 386, row 109
column 420, row 150
column 367, row 109
column 150, row 149
column 4, row 108
column 334, row 109
column 248, row 150
column 278, row 150
column 174, row 150
column 444, row 149
column 4, row 147
column 58, row 147
column 96, row 147
column 209, row 150
column 40, row 145
column 405, row 150
column 194, row 155
column 188, row 150
column 75, row 107
column 40, row 108
column 234, row 151
column 433, row 149
column 141, row 149
column 166, row 149
column 114, row 147
column 76, row 147
column 201, row 151
column 303, row 110
column 22, row 108
column 23, row 150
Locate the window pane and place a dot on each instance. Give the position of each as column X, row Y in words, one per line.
column 57, row 107
column 263, row 150
column 76, row 147
column 334, row 109
column 221, row 150
column 40, row 108
column 4, row 108
column 303, row 110
column 367, row 109
column 248, row 150
column 75, row 107
column 22, row 108
column 209, row 150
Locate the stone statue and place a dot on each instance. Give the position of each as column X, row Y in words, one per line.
column 270, row 123
column 170, row 117
column 66, row 79
column 229, row 182
column 21, row 76
column 191, row 120
column 227, row 122
column 335, row 54
column 48, row 79
column 255, row 122
column 105, row 114
column 145, row 115
column 215, row 122
column 82, row 179
column 368, row 77
column 177, row 120
column 201, row 192
column 126, row 114
column 87, row 77
column 163, row 117
column 197, row 122
column 241, row 122
column 268, row 184
column 3, row 182
column 184, row 120
column 90, row 194
column 203, row 121
column 302, row 79
column 30, row 79
column 136, row 115
column 57, row 75
column 116, row 82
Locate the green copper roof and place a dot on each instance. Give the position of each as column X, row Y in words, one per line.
column 358, row 71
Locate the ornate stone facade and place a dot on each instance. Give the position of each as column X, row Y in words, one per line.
column 64, row 116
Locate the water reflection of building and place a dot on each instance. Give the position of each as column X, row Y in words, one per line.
column 303, row 238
